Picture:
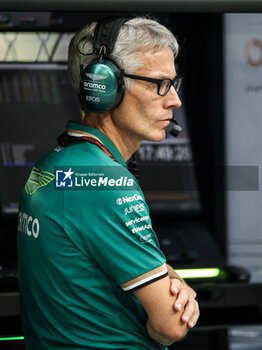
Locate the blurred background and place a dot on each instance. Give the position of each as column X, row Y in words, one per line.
column 203, row 188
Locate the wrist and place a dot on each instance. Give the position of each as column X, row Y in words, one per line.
column 177, row 278
column 172, row 274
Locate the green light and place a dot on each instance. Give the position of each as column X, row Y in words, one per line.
column 198, row 273
column 12, row 338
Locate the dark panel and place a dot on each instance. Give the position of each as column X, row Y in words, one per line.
column 133, row 5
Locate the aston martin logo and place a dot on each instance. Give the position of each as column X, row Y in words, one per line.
column 38, row 178
column 93, row 76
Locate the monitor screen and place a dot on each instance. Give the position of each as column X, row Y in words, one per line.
column 167, row 174
column 36, row 101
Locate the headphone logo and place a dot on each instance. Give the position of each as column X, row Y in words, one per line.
column 92, row 98
column 95, row 86
column 93, row 76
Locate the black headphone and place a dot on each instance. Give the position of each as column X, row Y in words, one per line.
column 101, row 81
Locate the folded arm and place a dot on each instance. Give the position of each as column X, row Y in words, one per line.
column 164, row 323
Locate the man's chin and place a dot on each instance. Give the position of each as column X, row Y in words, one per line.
column 157, row 137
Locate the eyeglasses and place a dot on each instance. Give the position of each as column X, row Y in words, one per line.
column 163, row 85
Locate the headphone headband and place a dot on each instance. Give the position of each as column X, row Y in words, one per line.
column 106, row 33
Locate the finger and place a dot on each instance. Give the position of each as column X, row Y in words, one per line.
column 191, row 313
column 182, row 299
column 186, row 296
column 175, row 286
column 194, row 319
column 188, row 313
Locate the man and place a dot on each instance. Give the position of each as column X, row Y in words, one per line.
column 91, row 273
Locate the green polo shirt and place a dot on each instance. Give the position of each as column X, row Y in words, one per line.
column 85, row 242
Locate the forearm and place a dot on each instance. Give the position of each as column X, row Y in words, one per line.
column 164, row 323
column 159, row 338
column 164, row 339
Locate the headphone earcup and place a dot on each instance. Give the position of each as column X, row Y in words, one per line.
column 101, row 86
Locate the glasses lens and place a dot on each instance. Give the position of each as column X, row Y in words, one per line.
column 164, row 86
column 177, row 84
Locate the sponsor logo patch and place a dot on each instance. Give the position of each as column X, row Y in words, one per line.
column 134, row 208
column 38, row 178
column 28, row 225
column 126, row 199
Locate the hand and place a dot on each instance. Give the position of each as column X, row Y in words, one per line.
column 186, row 298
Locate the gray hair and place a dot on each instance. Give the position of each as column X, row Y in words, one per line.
column 134, row 35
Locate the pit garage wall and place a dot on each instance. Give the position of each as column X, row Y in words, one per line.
column 243, row 124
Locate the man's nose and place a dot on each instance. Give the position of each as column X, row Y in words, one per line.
column 172, row 99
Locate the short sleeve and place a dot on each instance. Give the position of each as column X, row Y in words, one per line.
column 116, row 231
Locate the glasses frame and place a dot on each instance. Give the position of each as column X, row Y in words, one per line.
column 172, row 82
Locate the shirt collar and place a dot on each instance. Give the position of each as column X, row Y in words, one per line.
column 76, row 126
